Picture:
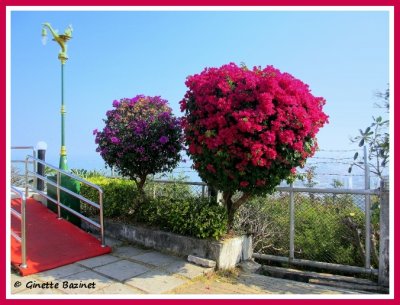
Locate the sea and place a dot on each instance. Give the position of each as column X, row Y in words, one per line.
column 329, row 168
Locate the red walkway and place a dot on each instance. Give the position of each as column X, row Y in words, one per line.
column 51, row 242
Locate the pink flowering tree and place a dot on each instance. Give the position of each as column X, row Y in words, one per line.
column 247, row 130
column 141, row 137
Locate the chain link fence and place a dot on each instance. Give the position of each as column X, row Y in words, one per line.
column 333, row 226
column 176, row 189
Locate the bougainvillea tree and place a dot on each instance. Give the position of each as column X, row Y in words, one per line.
column 141, row 137
column 248, row 129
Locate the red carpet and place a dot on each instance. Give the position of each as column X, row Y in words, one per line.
column 51, row 243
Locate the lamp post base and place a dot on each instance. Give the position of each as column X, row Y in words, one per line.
column 63, row 163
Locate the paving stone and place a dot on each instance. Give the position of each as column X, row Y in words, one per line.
column 155, row 258
column 92, row 280
column 54, row 274
column 187, row 269
column 122, row 270
column 155, row 282
column 128, row 251
column 118, row 288
column 99, row 261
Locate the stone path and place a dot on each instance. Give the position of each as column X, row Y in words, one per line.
column 132, row 270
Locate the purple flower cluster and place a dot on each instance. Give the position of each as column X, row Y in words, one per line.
column 163, row 140
column 141, row 136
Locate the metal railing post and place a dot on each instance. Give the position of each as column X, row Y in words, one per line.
column 367, row 212
column 35, row 165
column 291, row 230
column 58, row 195
column 22, row 217
column 26, row 178
column 103, row 241
column 23, row 233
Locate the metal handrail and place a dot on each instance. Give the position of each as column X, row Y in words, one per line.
column 23, row 161
column 21, row 217
column 60, row 188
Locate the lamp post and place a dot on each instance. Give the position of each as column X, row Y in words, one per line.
column 61, row 39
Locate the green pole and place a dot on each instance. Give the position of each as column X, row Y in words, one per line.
column 63, row 152
column 61, row 39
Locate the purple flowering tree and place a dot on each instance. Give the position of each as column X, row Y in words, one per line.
column 141, row 137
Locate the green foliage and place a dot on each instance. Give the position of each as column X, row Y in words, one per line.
column 326, row 226
column 337, row 184
column 85, row 174
column 187, row 216
column 326, row 238
column 118, row 197
column 174, row 208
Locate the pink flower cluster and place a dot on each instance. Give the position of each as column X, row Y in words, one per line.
column 238, row 120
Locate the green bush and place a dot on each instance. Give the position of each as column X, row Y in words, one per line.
column 326, row 226
column 187, row 216
column 118, row 197
column 174, row 208
column 320, row 230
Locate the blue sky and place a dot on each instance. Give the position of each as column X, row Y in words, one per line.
column 342, row 55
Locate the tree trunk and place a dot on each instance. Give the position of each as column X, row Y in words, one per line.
column 140, row 188
column 232, row 207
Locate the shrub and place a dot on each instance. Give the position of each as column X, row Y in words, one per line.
column 175, row 210
column 321, row 233
column 117, row 197
column 141, row 137
column 188, row 216
column 247, row 130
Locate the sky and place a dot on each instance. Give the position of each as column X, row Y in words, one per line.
column 342, row 55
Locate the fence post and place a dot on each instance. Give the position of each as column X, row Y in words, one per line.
column 367, row 212
column 58, row 195
column 383, row 273
column 23, row 232
column 291, row 230
column 26, row 178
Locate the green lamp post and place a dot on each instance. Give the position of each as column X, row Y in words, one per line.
column 61, row 39
column 67, row 182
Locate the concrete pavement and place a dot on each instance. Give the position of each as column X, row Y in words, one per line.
column 132, row 270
